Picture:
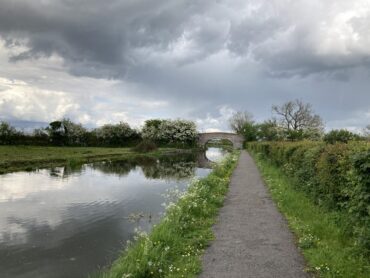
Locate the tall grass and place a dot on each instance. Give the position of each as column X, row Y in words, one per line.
column 174, row 246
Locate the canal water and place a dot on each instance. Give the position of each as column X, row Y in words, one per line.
column 69, row 222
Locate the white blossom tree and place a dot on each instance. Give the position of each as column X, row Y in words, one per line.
column 170, row 131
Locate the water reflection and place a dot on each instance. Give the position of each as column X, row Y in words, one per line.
column 166, row 167
column 214, row 154
column 68, row 221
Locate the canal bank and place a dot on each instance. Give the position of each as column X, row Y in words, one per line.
column 173, row 248
column 28, row 158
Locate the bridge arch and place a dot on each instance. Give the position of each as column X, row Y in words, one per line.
column 236, row 139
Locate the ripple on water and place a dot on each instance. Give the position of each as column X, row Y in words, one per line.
column 52, row 218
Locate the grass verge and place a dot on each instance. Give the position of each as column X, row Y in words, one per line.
column 174, row 246
column 17, row 158
column 328, row 249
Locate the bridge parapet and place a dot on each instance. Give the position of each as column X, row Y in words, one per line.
column 236, row 139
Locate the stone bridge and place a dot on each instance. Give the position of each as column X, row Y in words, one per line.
column 236, row 139
column 203, row 161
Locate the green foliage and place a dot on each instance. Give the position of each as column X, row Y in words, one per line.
column 268, row 131
column 115, row 134
column 56, row 133
column 341, row 136
column 249, row 131
column 75, row 134
column 359, row 195
column 330, row 251
column 65, row 133
column 145, row 146
column 335, row 176
column 366, row 132
column 7, row 133
column 174, row 133
column 154, row 123
column 239, row 120
column 174, row 246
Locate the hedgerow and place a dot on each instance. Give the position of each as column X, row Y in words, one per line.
column 336, row 176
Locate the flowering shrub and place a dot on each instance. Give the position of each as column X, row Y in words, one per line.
column 75, row 133
column 170, row 131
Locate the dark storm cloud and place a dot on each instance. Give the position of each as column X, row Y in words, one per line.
column 94, row 37
column 108, row 38
column 197, row 58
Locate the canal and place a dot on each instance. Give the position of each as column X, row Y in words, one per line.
column 71, row 221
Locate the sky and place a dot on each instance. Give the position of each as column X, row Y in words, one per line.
column 99, row 62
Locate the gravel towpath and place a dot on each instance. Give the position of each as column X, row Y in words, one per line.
column 252, row 237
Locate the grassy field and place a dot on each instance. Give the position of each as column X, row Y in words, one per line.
column 174, row 246
column 15, row 158
column 328, row 249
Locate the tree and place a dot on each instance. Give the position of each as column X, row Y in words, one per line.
column 40, row 136
column 152, row 129
column 298, row 120
column 239, row 120
column 7, row 133
column 269, row 131
column 66, row 132
column 118, row 134
column 56, row 133
column 366, row 132
column 170, row 131
column 75, row 134
column 250, row 131
column 341, row 135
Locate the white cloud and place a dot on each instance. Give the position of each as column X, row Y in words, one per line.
column 216, row 123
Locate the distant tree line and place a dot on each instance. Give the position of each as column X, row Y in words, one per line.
column 67, row 133
column 292, row 121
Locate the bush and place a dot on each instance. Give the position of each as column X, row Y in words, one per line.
column 8, row 133
column 174, row 133
column 170, row 131
column 336, row 176
column 249, row 131
column 145, row 146
column 120, row 134
column 341, row 135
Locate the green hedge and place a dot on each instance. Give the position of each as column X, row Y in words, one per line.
column 336, row 176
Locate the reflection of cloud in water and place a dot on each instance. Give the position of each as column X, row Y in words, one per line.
column 48, row 200
column 215, row 154
column 19, row 185
column 54, row 215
